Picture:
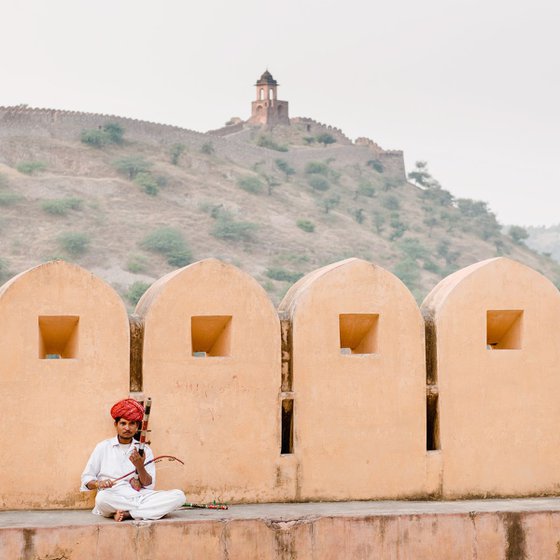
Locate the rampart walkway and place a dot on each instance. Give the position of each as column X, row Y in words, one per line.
column 474, row 529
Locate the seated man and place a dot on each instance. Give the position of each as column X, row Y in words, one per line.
column 132, row 496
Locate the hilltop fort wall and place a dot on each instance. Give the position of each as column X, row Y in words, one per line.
column 338, row 395
column 228, row 143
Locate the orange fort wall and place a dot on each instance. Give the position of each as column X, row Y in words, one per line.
column 63, row 362
column 338, row 395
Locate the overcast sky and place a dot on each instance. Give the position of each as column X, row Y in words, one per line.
column 471, row 86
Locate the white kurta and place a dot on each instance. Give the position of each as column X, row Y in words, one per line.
column 109, row 461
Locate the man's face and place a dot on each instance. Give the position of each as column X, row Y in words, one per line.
column 126, row 429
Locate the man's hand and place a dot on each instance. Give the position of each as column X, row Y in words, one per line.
column 100, row 484
column 135, row 483
column 136, row 459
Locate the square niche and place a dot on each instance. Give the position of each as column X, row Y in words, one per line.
column 58, row 337
column 504, row 329
column 211, row 335
column 358, row 333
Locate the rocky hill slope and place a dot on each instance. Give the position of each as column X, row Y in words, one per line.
column 545, row 240
column 131, row 200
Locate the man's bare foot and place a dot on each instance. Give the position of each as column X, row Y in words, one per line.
column 121, row 515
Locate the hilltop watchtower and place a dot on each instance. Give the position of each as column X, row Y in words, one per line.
column 267, row 109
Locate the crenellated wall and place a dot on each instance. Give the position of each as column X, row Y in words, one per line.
column 227, row 142
column 346, row 392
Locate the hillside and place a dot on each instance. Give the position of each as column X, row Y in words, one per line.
column 545, row 240
column 277, row 203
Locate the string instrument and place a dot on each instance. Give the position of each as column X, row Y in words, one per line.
column 144, row 428
column 157, row 459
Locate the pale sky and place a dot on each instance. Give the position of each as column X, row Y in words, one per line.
column 471, row 86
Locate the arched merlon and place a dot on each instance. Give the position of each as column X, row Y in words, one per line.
column 212, row 365
column 358, row 384
column 497, row 365
column 63, row 363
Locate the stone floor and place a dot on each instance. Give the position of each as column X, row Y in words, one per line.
column 513, row 529
column 294, row 512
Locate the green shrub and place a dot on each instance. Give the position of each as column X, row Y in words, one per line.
column 56, row 207
column 61, row 206
column 329, row 203
column 518, row 234
column 168, row 241
column 175, row 152
column 132, row 165
column 74, row 203
column 412, row 247
column 250, row 184
column 267, row 142
column 285, row 167
column 306, row 225
column 111, row 133
column 229, row 229
column 365, row 189
column 271, row 183
column 180, row 257
column 317, row 167
column 114, row 132
column 8, row 198
column 325, row 139
column 309, row 140
column 399, row 227
column 444, row 252
column 391, row 202
column 73, row 242
column 3, row 181
column 207, row 148
column 137, row 264
column 31, row 167
column 148, row 183
column 94, row 137
column 378, row 222
column 359, row 215
column 136, row 291
column 283, row 275
column 376, row 164
column 407, row 270
column 318, row 183
column 431, row 266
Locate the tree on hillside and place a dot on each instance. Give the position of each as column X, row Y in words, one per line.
column 518, row 234
column 132, row 165
column 114, row 132
column 175, row 153
column 431, row 188
column 326, row 138
column 422, row 177
column 484, row 222
column 110, row 133
column 285, row 167
column 330, row 203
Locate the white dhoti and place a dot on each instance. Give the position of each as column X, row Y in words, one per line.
column 145, row 504
column 110, row 461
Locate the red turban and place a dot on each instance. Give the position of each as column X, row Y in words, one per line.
column 129, row 409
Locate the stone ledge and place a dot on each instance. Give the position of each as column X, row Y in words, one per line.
column 516, row 528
